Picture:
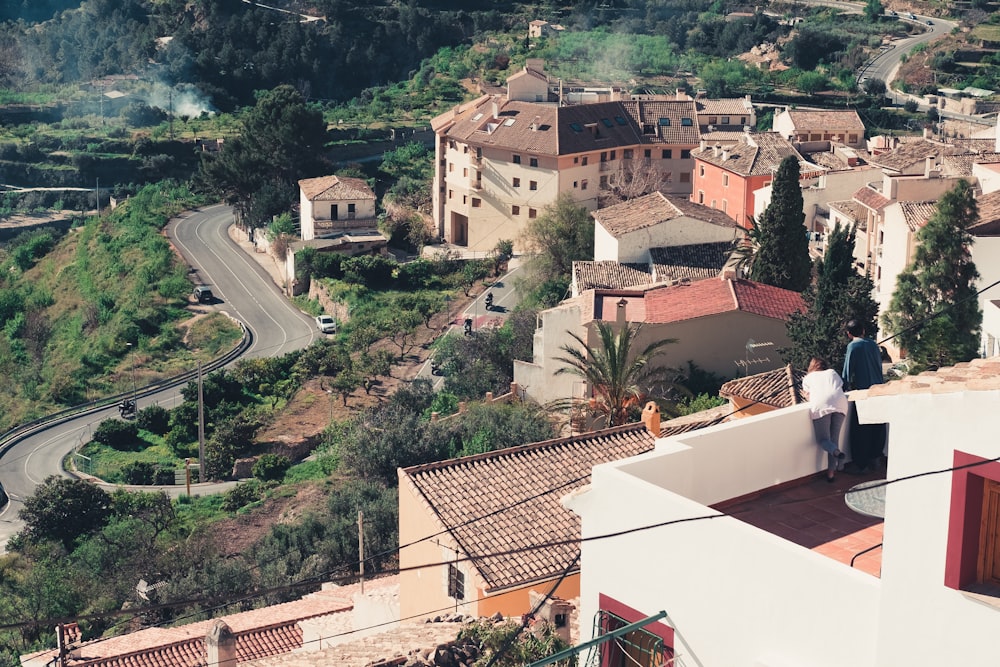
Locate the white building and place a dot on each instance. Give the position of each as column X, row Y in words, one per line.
column 682, row 530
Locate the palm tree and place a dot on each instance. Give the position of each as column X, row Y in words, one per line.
column 618, row 378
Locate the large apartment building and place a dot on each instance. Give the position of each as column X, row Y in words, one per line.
column 500, row 162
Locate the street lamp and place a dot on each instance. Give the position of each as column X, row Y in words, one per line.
column 134, row 393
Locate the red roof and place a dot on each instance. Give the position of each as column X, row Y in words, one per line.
column 713, row 296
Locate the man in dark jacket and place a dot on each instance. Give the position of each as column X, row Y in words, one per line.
column 862, row 369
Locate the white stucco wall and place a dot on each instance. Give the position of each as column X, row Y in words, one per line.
column 817, row 194
column 606, row 246
column 891, row 258
column 988, row 176
column 538, row 379
column 986, row 257
column 736, row 595
column 634, row 246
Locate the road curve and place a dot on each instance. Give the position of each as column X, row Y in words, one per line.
column 245, row 291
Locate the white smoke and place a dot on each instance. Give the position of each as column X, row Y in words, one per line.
column 180, row 100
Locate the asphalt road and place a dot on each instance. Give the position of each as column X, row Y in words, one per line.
column 884, row 65
column 243, row 290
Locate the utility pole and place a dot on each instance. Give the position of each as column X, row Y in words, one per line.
column 361, row 548
column 170, row 115
column 135, row 395
column 97, row 195
column 201, row 428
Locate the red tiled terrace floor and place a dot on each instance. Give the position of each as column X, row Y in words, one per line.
column 812, row 514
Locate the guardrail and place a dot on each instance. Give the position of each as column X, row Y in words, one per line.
column 19, row 433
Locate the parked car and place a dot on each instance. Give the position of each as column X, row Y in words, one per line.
column 203, row 294
column 930, row 22
column 326, row 324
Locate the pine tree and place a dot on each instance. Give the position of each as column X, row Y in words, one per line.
column 840, row 294
column 782, row 259
column 934, row 311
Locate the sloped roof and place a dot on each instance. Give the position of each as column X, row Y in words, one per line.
column 263, row 632
column 961, row 164
column 917, row 213
column 507, row 488
column 656, row 112
column 754, row 155
column 848, row 207
column 713, row 296
column 909, row 153
column 726, row 106
column 989, row 215
column 335, row 188
column 826, row 119
column 780, row 388
column 609, row 274
column 695, row 261
column 653, row 209
column 871, row 198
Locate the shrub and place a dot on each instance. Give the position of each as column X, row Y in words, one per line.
column 138, row 472
column 910, row 106
column 271, row 467
column 241, row 495
column 164, row 476
column 117, row 434
column 154, row 418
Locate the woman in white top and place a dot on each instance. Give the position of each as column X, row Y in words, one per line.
column 828, row 408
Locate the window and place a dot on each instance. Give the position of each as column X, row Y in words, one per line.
column 456, row 583
column 532, row 213
column 627, row 154
column 612, row 157
column 532, row 185
column 532, row 162
column 576, row 160
column 583, row 184
column 667, row 154
column 465, row 172
column 516, row 182
column 686, row 122
column 725, row 206
column 604, row 156
column 465, row 199
column 607, row 122
column 576, row 127
column 743, row 120
column 476, row 202
column 685, row 177
column 451, row 144
column 647, row 153
column 852, row 138
column 713, row 120
column 725, row 120
column 664, row 122
column 465, row 149
column 685, row 154
column 972, row 560
column 701, row 196
column 451, row 166
column 451, row 193
column 575, row 184
column 647, row 646
column 713, row 203
column 583, row 161
column 604, row 182
column 725, row 180
column 517, row 159
column 701, row 171
column 515, row 210
column 620, row 120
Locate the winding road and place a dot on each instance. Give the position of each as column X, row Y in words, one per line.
column 243, row 290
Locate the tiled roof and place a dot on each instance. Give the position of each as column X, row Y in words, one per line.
column 961, row 164
column 609, row 274
column 259, row 633
column 493, row 486
column 723, row 137
column 755, row 154
column 695, row 261
column 975, row 375
column 334, row 188
column 676, row 303
column 989, row 215
column 829, row 120
column 871, row 198
column 909, row 153
column 848, row 207
column 653, row 209
column 780, row 388
column 650, row 113
column 917, row 213
column 730, row 106
column 695, row 421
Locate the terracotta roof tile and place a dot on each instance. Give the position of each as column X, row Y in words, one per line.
column 609, row 274
column 848, row 207
column 654, row 209
column 676, row 303
column 695, row 261
column 503, row 478
column 989, row 215
column 780, row 388
column 910, row 153
column 917, row 213
column 333, row 188
column 726, row 106
column 647, row 114
column 871, row 198
column 976, row 375
column 754, row 155
column 961, row 164
column 813, row 119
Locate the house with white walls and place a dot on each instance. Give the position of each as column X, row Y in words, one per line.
column 332, row 205
column 727, row 550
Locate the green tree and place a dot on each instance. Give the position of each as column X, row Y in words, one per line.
column 64, row 510
column 839, row 295
column 619, row 377
column 508, row 644
column 562, row 234
column 873, row 10
column 782, row 258
column 281, row 140
column 934, row 312
column 812, row 82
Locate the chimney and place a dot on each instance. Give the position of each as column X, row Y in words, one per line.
column 534, row 123
column 725, row 154
column 620, row 315
column 220, row 643
column 515, row 391
column 651, row 418
column 928, row 166
column 716, row 150
column 702, row 145
column 496, row 110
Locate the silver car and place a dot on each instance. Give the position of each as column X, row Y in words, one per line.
column 326, row 324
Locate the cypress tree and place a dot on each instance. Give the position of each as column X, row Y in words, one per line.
column 782, row 258
column 934, row 311
column 839, row 294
